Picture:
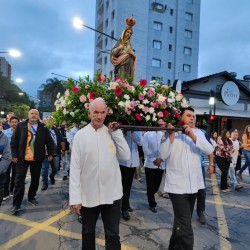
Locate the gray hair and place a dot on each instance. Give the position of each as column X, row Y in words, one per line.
column 95, row 101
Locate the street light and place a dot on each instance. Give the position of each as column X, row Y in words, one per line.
column 2, row 113
column 78, row 24
column 212, row 104
column 19, row 80
column 12, row 52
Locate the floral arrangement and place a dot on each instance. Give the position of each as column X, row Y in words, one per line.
column 153, row 104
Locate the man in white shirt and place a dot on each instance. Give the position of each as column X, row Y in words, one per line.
column 184, row 176
column 95, row 177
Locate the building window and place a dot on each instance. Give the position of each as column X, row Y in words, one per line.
column 157, row 25
column 112, row 33
column 113, row 15
column 157, row 44
column 171, row 12
column 170, row 29
column 106, row 41
column 111, row 74
column 187, row 68
column 157, row 78
column 169, row 81
column 169, row 65
column 188, row 33
column 187, row 51
column 105, row 60
column 170, row 47
column 107, row 4
column 189, row 16
column 106, row 22
column 156, row 63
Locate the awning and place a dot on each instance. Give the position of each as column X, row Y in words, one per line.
column 223, row 112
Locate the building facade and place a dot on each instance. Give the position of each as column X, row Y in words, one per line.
column 231, row 105
column 5, row 68
column 165, row 37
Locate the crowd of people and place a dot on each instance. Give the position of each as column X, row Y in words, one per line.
column 103, row 161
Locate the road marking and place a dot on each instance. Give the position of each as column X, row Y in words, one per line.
column 222, row 223
column 228, row 204
column 45, row 226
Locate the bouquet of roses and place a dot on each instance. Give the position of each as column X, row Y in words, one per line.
column 153, row 104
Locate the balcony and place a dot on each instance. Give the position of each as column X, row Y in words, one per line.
column 100, row 7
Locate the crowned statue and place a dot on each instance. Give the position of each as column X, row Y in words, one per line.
column 122, row 55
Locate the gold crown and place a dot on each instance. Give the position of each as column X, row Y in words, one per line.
column 130, row 21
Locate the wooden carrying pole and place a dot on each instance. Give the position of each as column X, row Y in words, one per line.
column 146, row 128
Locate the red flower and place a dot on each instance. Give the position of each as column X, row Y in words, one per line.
column 118, row 91
column 101, row 78
column 165, row 113
column 138, row 117
column 181, row 123
column 119, row 123
column 92, row 95
column 143, row 82
column 177, row 115
column 75, row 89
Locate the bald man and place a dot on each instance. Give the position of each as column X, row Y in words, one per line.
column 28, row 144
column 95, row 178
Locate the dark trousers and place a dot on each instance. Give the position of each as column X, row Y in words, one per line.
column 238, row 164
column 201, row 195
column 223, row 166
column 21, row 171
column 182, row 237
column 153, row 178
column 111, row 218
column 2, row 180
column 10, row 181
column 127, row 179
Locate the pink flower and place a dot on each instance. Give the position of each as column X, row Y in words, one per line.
column 133, row 104
column 150, row 93
column 83, row 98
column 118, row 91
column 66, row 93
column 145, row 109
column 141, row 97
column 160, row 114
column 128, row 111
column 143, row 82
column 155, row 104
column 138, row 117
column 112, row 85
column 75, row 89
column 101, row 78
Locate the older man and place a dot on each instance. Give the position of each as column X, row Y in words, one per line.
column 95, row 177
column 28, row 150
column 184, row 176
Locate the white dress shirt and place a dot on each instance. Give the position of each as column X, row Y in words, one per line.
column 95, row 176
column 151, row 147
column 134, row 139
column 183, row 172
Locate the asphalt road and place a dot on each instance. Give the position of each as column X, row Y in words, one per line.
column 50, row 225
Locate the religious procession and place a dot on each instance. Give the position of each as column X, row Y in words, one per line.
column 109, row 136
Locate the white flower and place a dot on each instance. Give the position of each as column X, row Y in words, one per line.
column 121, row 104
column 127, row 97
column 72, row 114
column 58, row 95
column 147, row 118
column 127, row 104
column 145, row 101
column 141, row 106
column 161, row 98
column 65, row 111
column 170, row 100
column 154, row 119
column 179, row 97
column 151, row 110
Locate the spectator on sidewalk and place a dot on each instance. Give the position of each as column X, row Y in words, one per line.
column 10, row 181
column 28, row 151
column 5, row 159
column 95, row 178
column 184, row 176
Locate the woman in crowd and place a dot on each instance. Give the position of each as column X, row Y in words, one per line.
column 213, row 140
column 223, row 153
column 246, row 150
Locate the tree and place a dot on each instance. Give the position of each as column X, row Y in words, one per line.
column 52, row 88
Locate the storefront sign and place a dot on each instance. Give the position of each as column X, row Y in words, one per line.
column 230, row 93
